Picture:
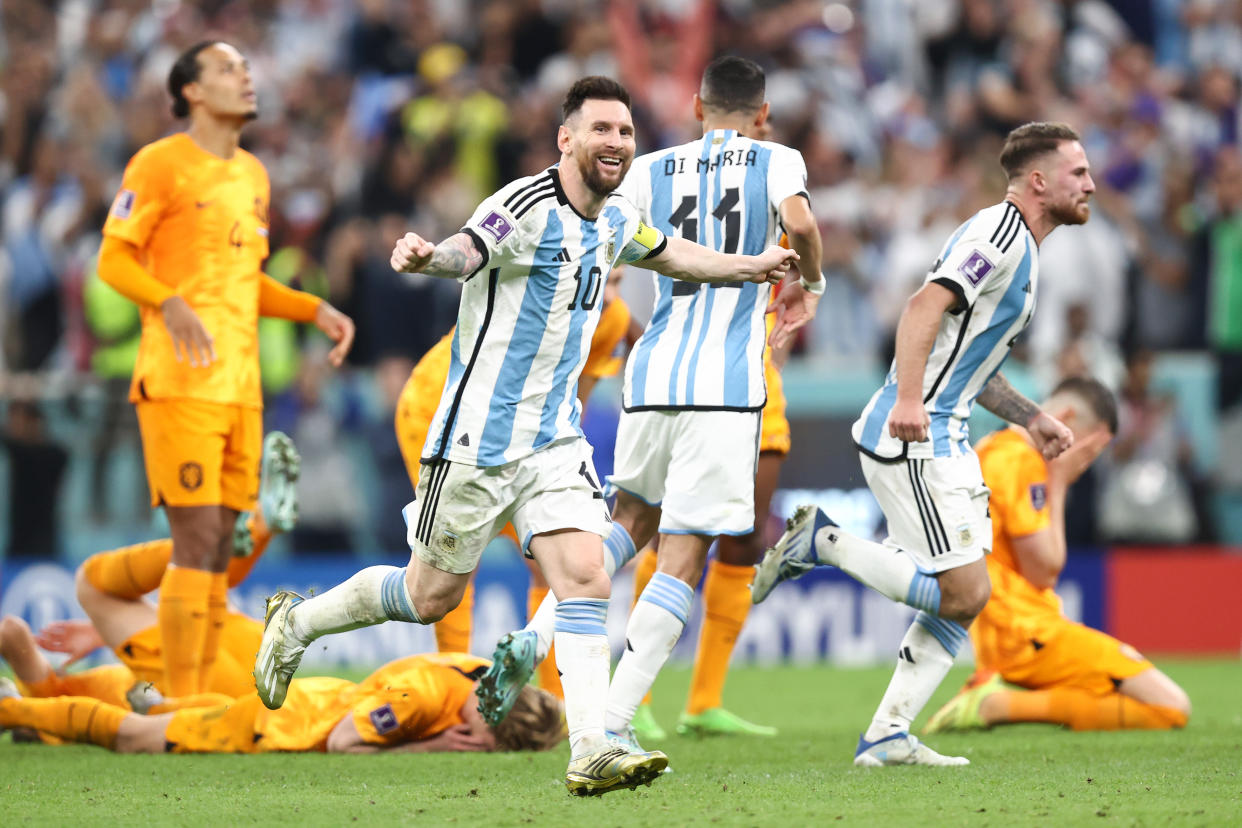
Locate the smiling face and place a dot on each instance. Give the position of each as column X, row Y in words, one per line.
column 1068, row 184
column 224, row 86
column 599, row 140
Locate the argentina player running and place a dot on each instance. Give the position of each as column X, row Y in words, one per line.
column 506, row 445
column 953, row 336
column 688, row 439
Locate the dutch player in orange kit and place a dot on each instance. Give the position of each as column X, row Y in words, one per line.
column 1065, row 673
column 418, row 704
column 185, row 239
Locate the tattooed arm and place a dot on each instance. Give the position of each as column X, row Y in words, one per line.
column 1003, row 400
column 454, row 258
column 1050, row 435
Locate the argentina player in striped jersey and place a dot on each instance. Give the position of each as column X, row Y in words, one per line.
column 688, row 439
column 953, row 336
column 506, row 445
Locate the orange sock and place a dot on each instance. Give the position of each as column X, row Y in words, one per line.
column 187, row 702
column 73, row 718
column 644, row 569
column 184, row 595
column 549, row 676
column 131, row 571
column 239, row 568
column 453, row 630
column 1080, row 710
column 726, row 603
column 217, row 609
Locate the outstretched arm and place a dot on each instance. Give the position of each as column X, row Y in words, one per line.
column 690, row 262
column 345, row 738
column 1051, row 436
column 454, row 258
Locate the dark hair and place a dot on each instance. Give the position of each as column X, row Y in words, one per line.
column 1095, row 394
column 732, row 84
column 593, row 87
column 185, row 70
column 1030, row 141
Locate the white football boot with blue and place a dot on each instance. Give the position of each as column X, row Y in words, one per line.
column 793, row 555
column 901, row 749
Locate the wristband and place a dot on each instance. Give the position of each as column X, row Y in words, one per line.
column 816, row 288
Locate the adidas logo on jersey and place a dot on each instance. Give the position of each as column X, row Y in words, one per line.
column 563, row 256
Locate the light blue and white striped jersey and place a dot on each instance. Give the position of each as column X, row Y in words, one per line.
column 991, row 263
column 526, row 319
column 703, row 348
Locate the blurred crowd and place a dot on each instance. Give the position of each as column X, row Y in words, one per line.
column 379, row 116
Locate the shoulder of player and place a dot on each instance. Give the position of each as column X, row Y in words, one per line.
column 998, row 227
column 251, row 162
column 171, row 150
column 519, row 196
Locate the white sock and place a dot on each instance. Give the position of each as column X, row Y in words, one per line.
column 618, row 551
column 655, row 625
column 886, row 569
column 582, row 657
column 923, row 660
column 372, row 596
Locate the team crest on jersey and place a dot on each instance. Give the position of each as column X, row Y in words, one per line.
column 497, row 225
column 1039, row 496
column 384, row 719
column 191, row 476
column 976, row 267
column 124, row 204
column 964, row 535
column 610, row 248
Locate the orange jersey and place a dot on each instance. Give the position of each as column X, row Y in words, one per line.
column 408, row 700
column 1018, row 610
column 607, row 354
column 200, row 224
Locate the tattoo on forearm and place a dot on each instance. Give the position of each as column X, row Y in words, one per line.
column 1003, row 400
column 454, row 257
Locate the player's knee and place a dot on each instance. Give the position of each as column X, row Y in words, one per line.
column 966, row 601
column 13, row 631
column 1179, row 706
column 87, row 593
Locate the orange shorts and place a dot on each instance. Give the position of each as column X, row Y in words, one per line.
column 200, row 453
column 231, row 675
column 1073, row 655
column 774, row 430
column 141, row 653
column 228, row 728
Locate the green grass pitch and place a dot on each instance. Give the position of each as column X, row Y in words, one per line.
column 1025, row 775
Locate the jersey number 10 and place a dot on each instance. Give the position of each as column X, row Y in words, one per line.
column 587, row 292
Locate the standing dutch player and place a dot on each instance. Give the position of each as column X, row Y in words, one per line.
column 953, row 336
column 688, row 438
column 185, row 239
column 506, row 444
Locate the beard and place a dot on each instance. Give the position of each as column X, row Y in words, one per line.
column 1070, row 213
column 592, row 177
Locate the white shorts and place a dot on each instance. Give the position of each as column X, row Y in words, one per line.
column 458, row 508
column 937, row 508
column 697, row 466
